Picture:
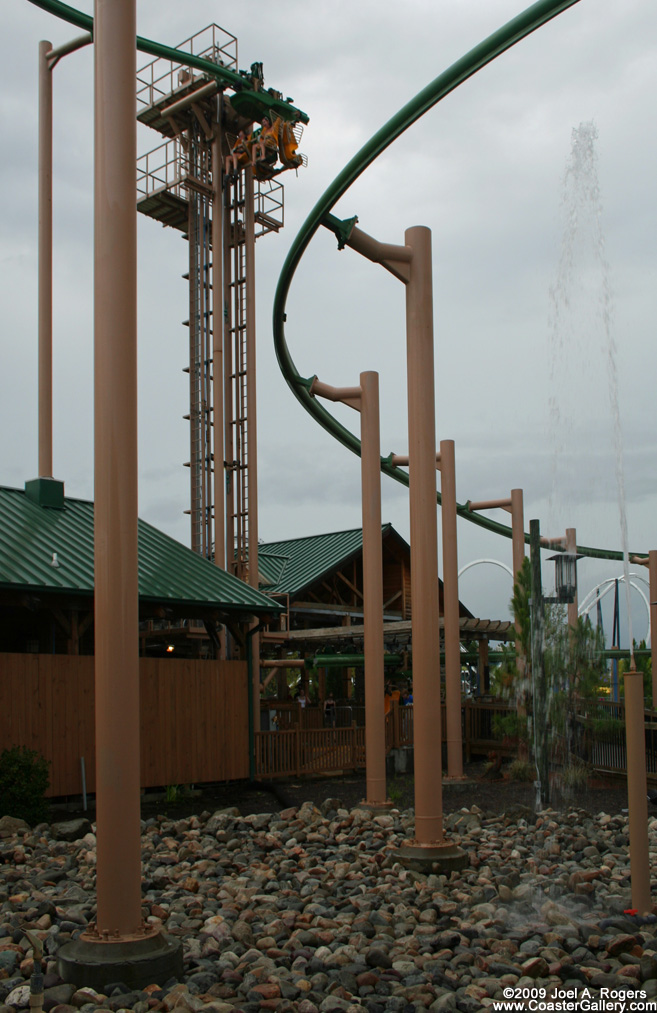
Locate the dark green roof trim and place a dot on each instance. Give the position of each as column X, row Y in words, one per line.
column 52, row 550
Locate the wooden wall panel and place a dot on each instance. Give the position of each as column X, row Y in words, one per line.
column 194, row 718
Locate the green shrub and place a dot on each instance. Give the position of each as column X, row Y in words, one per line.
column 606, row 728
column 576, row 775
column 521, row 770
column 23, row 783
column 395, row 793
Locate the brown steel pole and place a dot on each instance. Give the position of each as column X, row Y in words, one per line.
column 375, row 750
column 451, row 611
column 424, row 540
column 571, row 547
column 45, row 262
column 219, row 492
column 636, row 791
column 365, row 399
column 118, row 881
column 517, row 531
column 652, row 576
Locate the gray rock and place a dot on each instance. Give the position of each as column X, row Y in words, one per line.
column 19, row 997
column 8, row 961
column 377, row 958
column 10, row 825
column 58, row 994
column 71, row 830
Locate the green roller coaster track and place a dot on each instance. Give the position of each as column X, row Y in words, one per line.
column 514, row 31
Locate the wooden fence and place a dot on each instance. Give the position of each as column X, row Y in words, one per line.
column 194, row 718
column 598, row 737
column 306, row 748
column 309, row 751
column 194, row 725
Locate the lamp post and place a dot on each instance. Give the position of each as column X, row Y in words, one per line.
column 565, row 594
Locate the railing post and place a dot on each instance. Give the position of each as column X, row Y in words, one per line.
column 297, row 749
column 467, row 721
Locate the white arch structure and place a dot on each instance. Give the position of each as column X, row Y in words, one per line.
column 495, row 562
column 605, row 586
column 590, row 599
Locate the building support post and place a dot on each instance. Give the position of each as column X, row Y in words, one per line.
column 482, row 667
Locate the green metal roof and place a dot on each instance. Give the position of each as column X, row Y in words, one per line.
column 47, row 549
column 294, row 564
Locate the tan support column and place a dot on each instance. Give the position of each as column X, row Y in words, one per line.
column 571, row 547
column 118, row 880
column 375, row 747
column 45, row 262
column 365, row 399
column 517, row 531
column 636, row 791
column 451, row 611
column 482, row 665
column 652, row 576
column 424, row 540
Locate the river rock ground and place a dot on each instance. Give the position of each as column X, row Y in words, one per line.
column 492, row 795
column 305, row 907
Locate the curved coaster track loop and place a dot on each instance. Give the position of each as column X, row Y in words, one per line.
column 499, row 42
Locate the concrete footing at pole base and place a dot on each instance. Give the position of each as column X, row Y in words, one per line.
column 431, row 858
column 137, row 963
column 377, row 808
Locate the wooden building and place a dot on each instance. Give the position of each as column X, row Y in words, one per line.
column 194, row 708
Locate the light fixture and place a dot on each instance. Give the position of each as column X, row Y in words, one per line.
column 170, row 648
column 565, row 577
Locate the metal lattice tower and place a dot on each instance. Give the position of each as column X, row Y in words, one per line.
column 180, row 185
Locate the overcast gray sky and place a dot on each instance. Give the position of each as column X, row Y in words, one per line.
column 484, row 170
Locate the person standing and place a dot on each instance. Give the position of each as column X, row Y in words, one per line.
column 329, row 711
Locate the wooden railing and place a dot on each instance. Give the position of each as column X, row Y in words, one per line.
column 307, row 748
column 598, row 737
column 289, row 714
column 308, row 751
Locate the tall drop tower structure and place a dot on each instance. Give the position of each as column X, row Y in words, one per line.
column 200, row 111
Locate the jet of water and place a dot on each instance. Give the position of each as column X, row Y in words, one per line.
column 582, row 215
